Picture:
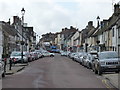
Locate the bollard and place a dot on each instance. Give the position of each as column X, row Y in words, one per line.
column 10, row 64
column 5, row 63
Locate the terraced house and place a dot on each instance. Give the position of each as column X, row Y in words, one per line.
column 104, row 37
column 7, row 36
column 11, row 37
column 107, row 35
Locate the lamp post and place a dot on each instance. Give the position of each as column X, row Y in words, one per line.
column 86, row 47
column 22, row 43
column 98, row 19
column 98, row 48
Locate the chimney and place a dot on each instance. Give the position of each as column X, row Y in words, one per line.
column 62, row 29
column 15, row 19
column 66, row 29
column 90, row 23
column 71, row 27
column 105, row 22
column 116, row 8
column 102, row 24
column 98, row 21
column 9, row 21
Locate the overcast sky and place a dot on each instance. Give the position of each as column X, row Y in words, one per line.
column 53, row 15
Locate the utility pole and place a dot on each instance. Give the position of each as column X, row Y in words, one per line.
column 22, row 43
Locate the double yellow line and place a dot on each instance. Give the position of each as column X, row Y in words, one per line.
column 106, row 84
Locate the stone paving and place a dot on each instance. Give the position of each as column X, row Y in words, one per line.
column 15, row 68
column 114, row 79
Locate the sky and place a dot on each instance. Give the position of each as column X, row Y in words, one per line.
column 53, row 15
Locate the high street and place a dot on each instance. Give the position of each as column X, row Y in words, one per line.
column 54, row 72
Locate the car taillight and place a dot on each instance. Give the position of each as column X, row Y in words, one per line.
column 14, row 59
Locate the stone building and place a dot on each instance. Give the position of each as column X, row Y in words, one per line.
column 8, row 34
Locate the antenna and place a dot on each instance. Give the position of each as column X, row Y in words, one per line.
column 113, row 2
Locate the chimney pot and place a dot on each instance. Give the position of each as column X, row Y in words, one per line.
column 116, row 8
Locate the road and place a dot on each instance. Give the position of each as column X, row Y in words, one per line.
column 54, row 72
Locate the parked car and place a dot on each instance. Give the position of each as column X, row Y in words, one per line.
column 89, row 60
column 39, row 52
column 2, row 69
column 83, row 57
column 16, row 56
column 80, row 57
column 106, row 61
column 77, row 57
column 72, row 55
column 63, row 53
column 29, row 57
column 26, row 56
column 51, row 54
column 32, row 56
column 68, row 52
column 35, row 55
column 93, row 53
column 46, row 54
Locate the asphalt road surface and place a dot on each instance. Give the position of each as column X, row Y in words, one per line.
column 54, row 72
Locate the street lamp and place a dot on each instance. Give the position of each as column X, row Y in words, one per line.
column 98, row 19
column 86, row 47
column 22, row 43
column 98, row 48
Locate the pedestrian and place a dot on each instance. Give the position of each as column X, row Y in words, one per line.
column 5, row 63
column 10, row 62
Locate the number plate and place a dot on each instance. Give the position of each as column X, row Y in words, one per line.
column 112, row 67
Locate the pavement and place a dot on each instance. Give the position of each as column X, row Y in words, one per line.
column 113, row 79
column 15, row 68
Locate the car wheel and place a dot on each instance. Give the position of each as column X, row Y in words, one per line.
column 96, row 72
column 116, row 71
column 90, row 66
column 87, row 65
column 99, row 71
column 51, row 55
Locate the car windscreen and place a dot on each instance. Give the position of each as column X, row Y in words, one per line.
column 16, row 54
column 108, row 55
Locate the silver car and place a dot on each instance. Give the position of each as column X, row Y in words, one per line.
column 106, row 61
column 47, row 54
column 63, row 53
column 88, row 61
column 16, row 56
column 72, row 55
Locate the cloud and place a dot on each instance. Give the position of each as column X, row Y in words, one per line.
column 53, row 15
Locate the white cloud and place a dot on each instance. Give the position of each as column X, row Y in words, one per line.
column 53, row 15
